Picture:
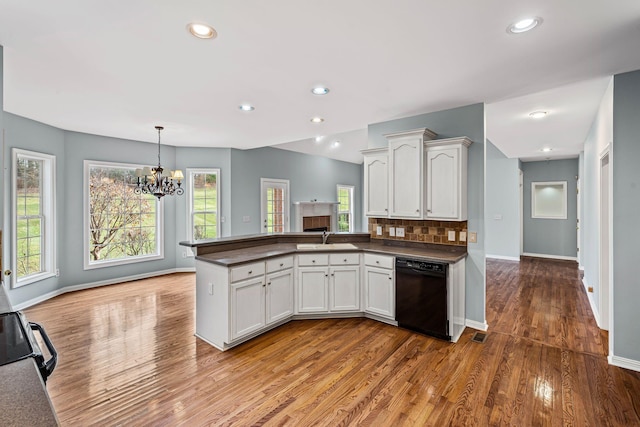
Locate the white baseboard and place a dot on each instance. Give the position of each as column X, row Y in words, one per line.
column 565, row 258
column 64, row 290
column 506, row 258
column 592, row 303
column 623, row 362
column 481, row 326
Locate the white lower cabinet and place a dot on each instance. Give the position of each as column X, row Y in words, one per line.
column 379, row 286
column 328, row 283
column 233, row 304
column 247, row 307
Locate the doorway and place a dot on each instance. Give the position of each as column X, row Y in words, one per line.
column 605, row 238
column 274, row 205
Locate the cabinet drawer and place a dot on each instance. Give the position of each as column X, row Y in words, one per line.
column 382, row 261
column 344, row 259
column 278, row 264
column 313, row 259
column 247, row 271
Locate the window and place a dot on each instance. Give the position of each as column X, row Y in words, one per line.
column 549, row 200
column 274, row 205
column 345, row 208
column 34, row 216
column 203, row 220
column 121, row 226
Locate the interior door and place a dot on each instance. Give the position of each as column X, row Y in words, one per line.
column 274, row 195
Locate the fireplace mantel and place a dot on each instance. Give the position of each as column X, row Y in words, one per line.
column 312, row 209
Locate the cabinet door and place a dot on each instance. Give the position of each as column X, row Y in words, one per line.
column 345, row 288
column 247, row 307
column 279, row 295
column 443, row 183
column 313, row 290
column 405, row 183
column 376, row 185
column 379, row 291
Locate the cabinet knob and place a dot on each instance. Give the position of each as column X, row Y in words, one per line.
column 313, row 260
column 281, row 264
column 390, row 278
column 326, row 275
column 269, row 283
column 377, row 262
column 345, row 260
column 332, row 274
column 250, row 272
column 417, row 210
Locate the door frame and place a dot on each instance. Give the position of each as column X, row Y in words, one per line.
column 274, row 182
column 605, row 249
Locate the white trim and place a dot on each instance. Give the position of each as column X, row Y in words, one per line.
column 87, row 263
column 49, row 226
column 49, row 295
column 594, row 307
column 506, row 258
column 189, row 185
column 623, row 362
column 481, row 326
column 565, row 258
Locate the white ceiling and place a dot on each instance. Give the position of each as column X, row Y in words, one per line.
column 120, row 68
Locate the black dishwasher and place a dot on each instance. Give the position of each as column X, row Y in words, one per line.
column 421, row 297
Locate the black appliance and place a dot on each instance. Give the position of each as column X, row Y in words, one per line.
column 421, row 297
column 17, row 342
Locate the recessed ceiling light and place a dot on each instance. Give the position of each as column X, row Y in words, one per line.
column 317, row 120
column 319, row 90
column 524, row 25
column 546, row 149
column 319, row 138
column 336, row 143
column 201, row 31
column 247, row 107
column 538, row 114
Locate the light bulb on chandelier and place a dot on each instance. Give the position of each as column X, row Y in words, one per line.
column 151, row 180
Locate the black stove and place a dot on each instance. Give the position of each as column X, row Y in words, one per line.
column 17, row 342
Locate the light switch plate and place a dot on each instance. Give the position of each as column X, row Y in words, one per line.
column 246, row 218
column 392, row 232
column 463, row 236
column 399, row 232
column 473, row 237
column 452, row 235
column 379, row 230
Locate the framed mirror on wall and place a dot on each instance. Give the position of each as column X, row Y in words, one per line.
column 549, row 200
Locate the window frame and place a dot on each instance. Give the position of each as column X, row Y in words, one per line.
column 48, row 207
column 88, row 264
column 286, row 220
column 351, row 189
column 190, row 211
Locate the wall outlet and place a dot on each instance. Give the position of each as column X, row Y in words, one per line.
column 210, row 288
column 452, row 235
column 379, row 230
column 221, row 219
column 463, row 236
column 497, row 217
column 392, row 232
column 246, row 218
column 473, row 237
column 184, row 254
column 400, row 232
column 57, row 272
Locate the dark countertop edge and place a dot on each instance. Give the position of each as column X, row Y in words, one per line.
column 438, row 253
column 265, row 237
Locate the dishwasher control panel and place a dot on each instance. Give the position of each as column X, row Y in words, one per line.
column 435, row 267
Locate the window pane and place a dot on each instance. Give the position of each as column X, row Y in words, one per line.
column 122, row 223
column 29, row 218
column 204, row 198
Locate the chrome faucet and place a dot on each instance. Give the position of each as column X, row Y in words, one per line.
column 325, row 236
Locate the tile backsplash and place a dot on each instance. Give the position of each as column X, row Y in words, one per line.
column 419, row 230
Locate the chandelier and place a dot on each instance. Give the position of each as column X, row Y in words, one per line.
column 151, row 180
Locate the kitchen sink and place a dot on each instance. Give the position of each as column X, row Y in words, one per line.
column 326, row 246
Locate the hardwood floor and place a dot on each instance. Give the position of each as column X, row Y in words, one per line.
column 128, row 357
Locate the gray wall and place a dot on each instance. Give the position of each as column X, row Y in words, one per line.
column 626, row 206
column 310, row 177
column 554, row 237
column 463, row 121
column 502, row 208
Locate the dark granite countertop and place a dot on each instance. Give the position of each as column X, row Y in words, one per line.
column 427, row 252
column 23, row 397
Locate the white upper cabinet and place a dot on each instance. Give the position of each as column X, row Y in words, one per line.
column 446, row 179
column 376, row 171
